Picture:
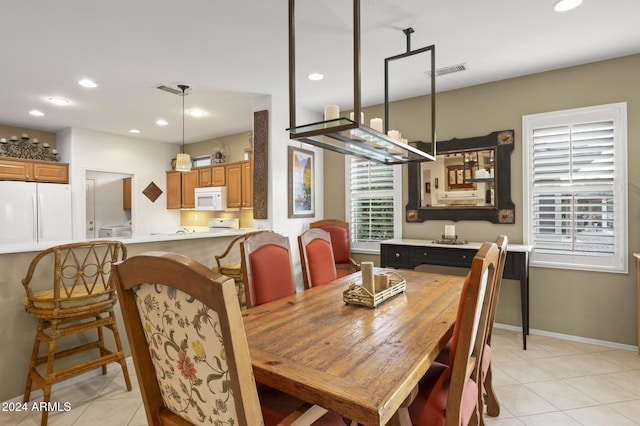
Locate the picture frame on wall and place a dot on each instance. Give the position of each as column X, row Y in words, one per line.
column 301, row 167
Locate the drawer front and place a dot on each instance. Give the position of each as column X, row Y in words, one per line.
column 442, row 256
column 394, row 256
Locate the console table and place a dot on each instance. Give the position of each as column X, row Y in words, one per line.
column 408, row 253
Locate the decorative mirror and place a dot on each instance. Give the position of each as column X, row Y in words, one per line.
column 470, row 180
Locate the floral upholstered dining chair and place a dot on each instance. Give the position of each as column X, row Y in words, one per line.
column 189, row 347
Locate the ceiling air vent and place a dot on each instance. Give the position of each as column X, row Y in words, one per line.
column 171, row 89
column 448, row 70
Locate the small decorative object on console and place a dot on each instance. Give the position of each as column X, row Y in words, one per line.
column 451, row 239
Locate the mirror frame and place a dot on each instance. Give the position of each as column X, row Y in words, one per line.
column 503, row 212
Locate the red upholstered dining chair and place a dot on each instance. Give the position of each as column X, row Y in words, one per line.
column 316, row 257
column 190, row 349
column 448, row 394
column 341, row 242
column 489, row 397
column 267, row 268
column 486, row 394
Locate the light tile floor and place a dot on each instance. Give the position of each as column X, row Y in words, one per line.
column 558, row 382
column 554, row 382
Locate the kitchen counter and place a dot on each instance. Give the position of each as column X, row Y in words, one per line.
column 22, row 248
column 17, row 338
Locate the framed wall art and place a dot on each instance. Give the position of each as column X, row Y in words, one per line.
column 301, row 183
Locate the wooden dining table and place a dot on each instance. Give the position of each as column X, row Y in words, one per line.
column 359, row 362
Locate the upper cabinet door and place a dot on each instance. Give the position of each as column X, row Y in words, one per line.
column 234, row 185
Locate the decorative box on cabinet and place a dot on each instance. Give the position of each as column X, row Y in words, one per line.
column 33, row 170
column 181, row 189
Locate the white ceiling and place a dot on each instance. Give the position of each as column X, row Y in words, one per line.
column 231, row 52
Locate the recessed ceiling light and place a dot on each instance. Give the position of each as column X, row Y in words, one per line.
column 196, row 112
column 136, row 131
column 85, row 82
column 565, row 5
column 161, row 122
column 36, row 113
column 316, row 76
column 59, row 101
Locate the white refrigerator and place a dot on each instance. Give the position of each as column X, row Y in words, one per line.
column 34, row 212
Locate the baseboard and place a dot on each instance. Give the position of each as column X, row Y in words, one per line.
column 569, row 337
column 111, row 367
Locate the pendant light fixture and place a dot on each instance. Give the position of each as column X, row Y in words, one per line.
column 349, row 135
column 183, row 161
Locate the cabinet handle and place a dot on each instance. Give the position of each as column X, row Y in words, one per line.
column 425, row 254
column 397, row 254
column 464, row 256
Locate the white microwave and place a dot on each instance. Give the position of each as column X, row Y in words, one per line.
column 211, row 199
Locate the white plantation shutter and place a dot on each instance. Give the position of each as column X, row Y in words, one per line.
column 372, row 202
column 574, row 169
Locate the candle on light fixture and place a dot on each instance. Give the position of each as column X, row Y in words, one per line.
column 45, row 145
column 376, row 124
column 331, row 112
column 395, row 134
column 13, row 138
column 351, row 116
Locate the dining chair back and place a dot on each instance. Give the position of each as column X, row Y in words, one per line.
column 80, row 299
column 487, row 397
column 341, row 244
column 228, row 263
column 267, row 268
column 316, row 257
column 190, row 349
column 448, row 393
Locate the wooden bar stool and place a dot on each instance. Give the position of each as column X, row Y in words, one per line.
column 233, row 269
column 81, row 299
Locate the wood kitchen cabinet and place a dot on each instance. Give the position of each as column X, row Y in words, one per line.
column 126, row 193
column 181, row 189
column 33, row 170
column 239, row 184
column 211, row 176
column 247, row 184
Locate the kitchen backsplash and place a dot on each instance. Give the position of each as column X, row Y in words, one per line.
column 201, row 218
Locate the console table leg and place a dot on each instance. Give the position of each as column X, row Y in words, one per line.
column 524, row 307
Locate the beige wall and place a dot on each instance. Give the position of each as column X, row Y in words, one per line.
column 8, row 131
column 235, row 146
column 587, row 304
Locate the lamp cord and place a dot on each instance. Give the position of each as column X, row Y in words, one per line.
column 183, row 87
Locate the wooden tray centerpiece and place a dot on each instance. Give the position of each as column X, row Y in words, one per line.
column 381, row 288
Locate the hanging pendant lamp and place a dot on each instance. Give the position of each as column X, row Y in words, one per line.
column 183, row 161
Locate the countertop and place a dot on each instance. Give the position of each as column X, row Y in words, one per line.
column 21, row 248
column 469, row 245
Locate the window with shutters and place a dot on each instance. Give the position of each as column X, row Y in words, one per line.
column 575, row 188
column 373, row 205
